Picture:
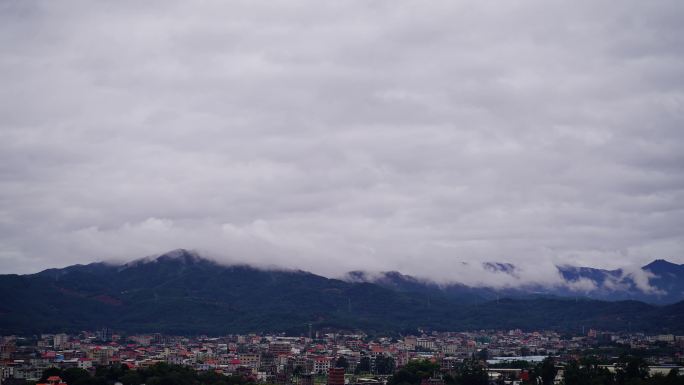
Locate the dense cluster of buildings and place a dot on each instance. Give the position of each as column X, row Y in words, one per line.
column 332, row 358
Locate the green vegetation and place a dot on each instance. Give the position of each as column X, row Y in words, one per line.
column 384, row 364
column 413, row 373
column 469, row 373
column 158, row 374
column 341, row 362
column 364, row 365
column 197, row 296
column 632, row 370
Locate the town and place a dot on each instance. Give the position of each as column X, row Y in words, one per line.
column 334, row 358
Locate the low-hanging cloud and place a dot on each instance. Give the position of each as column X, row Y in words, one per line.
column 427, row 138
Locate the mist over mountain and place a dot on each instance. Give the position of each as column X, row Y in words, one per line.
column 659, row 282
column 504, row 163
column 181, row 292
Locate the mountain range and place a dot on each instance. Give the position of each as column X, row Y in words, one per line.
column 182, row 293
column 659, row 282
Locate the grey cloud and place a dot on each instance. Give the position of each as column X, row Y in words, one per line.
column 386, row 135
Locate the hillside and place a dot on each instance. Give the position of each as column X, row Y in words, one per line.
column 182, row 293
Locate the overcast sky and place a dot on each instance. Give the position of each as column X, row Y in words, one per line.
column 420, row 136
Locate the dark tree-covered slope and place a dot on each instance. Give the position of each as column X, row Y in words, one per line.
column 182, row 293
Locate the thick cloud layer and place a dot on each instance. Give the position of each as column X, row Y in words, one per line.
column 424, row 137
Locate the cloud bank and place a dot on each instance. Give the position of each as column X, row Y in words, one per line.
column 336, row 136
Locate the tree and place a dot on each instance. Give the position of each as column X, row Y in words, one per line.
column 364, row 365
column 587, row 372
column 341, row 362
column 547, row 371
column 75, row 375
column 384, row 364
column 472, row 373
column 130, row 378
column 631, row 369
column 413, row 373
column 483, row 355
column 50, row 372
column 298, row 370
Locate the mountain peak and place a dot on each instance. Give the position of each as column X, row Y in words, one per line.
column 662, row 265
column 180, row 256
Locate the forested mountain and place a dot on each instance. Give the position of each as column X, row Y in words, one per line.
column 180, row 292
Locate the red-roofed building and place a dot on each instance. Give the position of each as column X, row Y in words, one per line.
column 233, row 364
column 54, row 380
column 336, row 376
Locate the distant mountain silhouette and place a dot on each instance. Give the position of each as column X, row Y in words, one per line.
column 665, row 284
column 180, row 292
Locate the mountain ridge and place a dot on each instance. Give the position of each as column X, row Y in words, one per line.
column 664, row 280
column 180, row 293
column 664, row 285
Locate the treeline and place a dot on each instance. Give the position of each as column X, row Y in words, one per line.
column 382, row 365
column 158, row 374
column 631, row 370
column 413, row 373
